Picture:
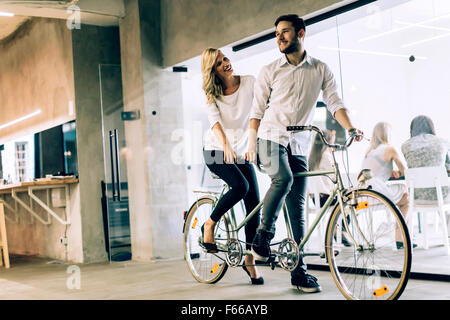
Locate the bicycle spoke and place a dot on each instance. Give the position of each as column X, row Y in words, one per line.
column 205, row 267
column 364, row 272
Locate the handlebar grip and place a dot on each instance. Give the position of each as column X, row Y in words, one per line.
column 298, row 128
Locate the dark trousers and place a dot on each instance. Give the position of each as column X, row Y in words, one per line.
column 241, row 180
column 280, row 164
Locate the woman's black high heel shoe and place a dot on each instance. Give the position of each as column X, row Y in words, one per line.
column 210, row 247
column 259, row 280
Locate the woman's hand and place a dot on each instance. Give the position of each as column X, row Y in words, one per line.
column 396, row 174
column 229, row 156
column 250, row 155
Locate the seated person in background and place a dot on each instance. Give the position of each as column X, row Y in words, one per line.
column 320, row 158
column 425, row 149
column 380, row 159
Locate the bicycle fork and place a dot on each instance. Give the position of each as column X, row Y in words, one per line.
column 352, row 205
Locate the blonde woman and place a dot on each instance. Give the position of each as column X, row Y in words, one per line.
column 380, row 159
column 229, row 100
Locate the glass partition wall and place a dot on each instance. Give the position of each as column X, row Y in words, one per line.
column 390, row 62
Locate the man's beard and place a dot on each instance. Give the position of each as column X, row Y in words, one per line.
column 293, row 47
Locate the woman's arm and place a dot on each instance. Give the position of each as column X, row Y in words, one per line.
column 229, row 156
column 392, row 155
column 253, row 133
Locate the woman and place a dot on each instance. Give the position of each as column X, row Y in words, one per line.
column 380, row 159
column 425, row 149
column 229, row 100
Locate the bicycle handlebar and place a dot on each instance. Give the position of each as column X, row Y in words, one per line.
column 319, row 131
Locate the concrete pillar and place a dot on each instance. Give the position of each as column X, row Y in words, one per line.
column 157, row 186
column 91, row 46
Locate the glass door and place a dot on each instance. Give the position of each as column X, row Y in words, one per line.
column 115, row 187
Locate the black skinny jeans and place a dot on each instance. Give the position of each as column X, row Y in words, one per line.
column 241, row 180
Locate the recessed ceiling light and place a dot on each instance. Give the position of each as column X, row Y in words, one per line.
column 405, row 27
column 426, row 40
column 420, row 25
column 6, row 14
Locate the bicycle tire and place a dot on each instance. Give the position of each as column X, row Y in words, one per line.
column 386, row 273
column 205, row 267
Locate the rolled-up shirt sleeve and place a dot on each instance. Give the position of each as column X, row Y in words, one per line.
column 261, row 95
column 330, row 94
column 213, row 115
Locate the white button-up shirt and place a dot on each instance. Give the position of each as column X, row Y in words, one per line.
column 286, row 95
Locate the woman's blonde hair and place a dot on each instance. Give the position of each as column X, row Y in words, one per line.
column 211, row 83
column 380, row 135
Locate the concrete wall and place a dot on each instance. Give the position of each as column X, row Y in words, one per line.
column 189, row 26
column 36, row 72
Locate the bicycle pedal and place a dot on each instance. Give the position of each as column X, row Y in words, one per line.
column 323, row 255
column 209, row 250
column 271, row 262
column 311, row 254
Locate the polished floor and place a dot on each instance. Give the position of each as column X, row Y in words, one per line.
column 34, row 278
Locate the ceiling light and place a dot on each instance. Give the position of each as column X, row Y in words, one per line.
column 421, row 25
column 6, row 14
column 425, row 40
column 377, row 53
column 20, row 119
column 404, row 28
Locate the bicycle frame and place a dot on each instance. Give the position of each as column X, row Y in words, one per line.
column 336, row 192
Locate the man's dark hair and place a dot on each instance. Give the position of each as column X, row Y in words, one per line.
column 296, row 21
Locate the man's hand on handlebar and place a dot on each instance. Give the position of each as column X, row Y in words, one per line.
column 358, row 133
column 355, row 134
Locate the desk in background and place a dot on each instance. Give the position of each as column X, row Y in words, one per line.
column 49, row 184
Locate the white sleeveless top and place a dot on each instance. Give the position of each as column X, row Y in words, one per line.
column 381, row 172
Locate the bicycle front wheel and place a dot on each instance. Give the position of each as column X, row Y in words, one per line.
column 204, row 267
column 374, row 246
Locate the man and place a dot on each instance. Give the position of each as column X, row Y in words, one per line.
column 286, row 93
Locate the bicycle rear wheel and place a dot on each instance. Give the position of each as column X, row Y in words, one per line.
column 372, row 267
column 204, row 267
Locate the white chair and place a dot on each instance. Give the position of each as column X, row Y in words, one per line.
column 428, row 177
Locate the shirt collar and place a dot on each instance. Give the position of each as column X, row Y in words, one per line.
column 306, row 59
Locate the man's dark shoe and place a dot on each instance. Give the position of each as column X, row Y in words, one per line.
column 260, row 246
column 400, row 245
column 306, row 283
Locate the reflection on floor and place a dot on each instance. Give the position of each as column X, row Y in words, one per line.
column 433, row 260
column 34, row 278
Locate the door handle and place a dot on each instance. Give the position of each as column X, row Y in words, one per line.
column 116, row 135
column 111, row 153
